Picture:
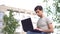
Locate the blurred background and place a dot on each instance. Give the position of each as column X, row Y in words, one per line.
column 22, row 9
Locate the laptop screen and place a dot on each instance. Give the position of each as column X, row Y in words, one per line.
column 27, row 24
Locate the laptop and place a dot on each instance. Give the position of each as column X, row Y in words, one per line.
column 28, row 26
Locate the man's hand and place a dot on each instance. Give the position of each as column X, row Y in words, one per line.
column 39, row 29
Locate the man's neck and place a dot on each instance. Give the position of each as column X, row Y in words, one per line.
column 42, row 16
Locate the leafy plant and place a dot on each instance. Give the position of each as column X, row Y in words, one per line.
column 10, row 23
column 57, row 12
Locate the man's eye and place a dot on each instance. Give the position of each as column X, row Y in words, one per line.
column 37, row 12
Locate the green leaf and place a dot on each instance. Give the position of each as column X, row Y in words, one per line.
column 10, row 23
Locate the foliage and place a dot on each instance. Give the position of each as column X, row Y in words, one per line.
column 57, row 12
column 10, row 23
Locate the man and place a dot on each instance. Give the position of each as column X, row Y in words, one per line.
column 44, row 24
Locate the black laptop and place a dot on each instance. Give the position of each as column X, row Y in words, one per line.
column 28, row 26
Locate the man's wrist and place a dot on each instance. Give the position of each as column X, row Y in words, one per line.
column 40, row 29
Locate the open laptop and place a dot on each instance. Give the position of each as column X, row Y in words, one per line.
column 27, row 25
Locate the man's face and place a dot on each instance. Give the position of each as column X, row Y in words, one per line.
column 39, row 12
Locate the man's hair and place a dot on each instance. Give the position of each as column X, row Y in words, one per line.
column 38, row 7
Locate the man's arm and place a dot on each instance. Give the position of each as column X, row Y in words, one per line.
column 50, row 28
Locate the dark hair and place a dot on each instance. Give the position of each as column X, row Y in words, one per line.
column 38, row 7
